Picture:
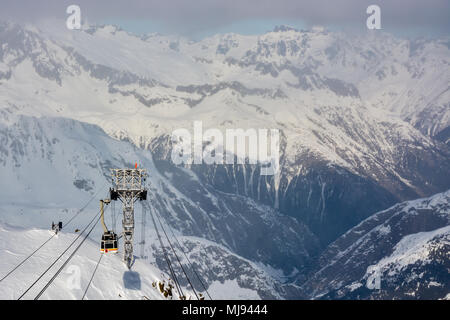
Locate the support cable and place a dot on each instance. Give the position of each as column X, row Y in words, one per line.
column 175, row 279
column 178, row 259
column 54, row 262
column 46, row 241
column 189, row 262
column 113, row 215
column 92, row 277
column 67, row 260
column 29, row 256
column 143, row 227
column 84, row 207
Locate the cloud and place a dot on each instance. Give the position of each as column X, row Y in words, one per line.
column 194, row 16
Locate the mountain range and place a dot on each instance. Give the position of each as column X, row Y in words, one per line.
column 364, row 123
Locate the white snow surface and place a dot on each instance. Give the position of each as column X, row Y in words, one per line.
column 112, row 280
column 409, row 250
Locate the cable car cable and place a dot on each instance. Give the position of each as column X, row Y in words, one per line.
column 189, row 262
column 46, row 241
column 92, row 277
column 175, row 279
column 143, row 227
column 29, row 256
column 67, row 261
column 54, row 262
column 178, row 287
column 84, row 207
column 178, row 259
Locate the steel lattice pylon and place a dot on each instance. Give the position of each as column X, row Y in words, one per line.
column 128, row 187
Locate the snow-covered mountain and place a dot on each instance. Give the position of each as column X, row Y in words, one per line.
column 311, row 85
column 405, row 249
column 363, row 120
column 60, row 163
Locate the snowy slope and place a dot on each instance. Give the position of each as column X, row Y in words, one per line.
column 412, row 249
column 112, row 279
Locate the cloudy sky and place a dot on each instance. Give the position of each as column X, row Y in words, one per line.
column 198, row 18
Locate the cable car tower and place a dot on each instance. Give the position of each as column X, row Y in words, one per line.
column 128, row 187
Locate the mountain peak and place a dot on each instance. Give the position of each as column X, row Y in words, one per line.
column 284, row 28
column 106, row 28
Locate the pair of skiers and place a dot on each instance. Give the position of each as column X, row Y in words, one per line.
column 57, row 227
